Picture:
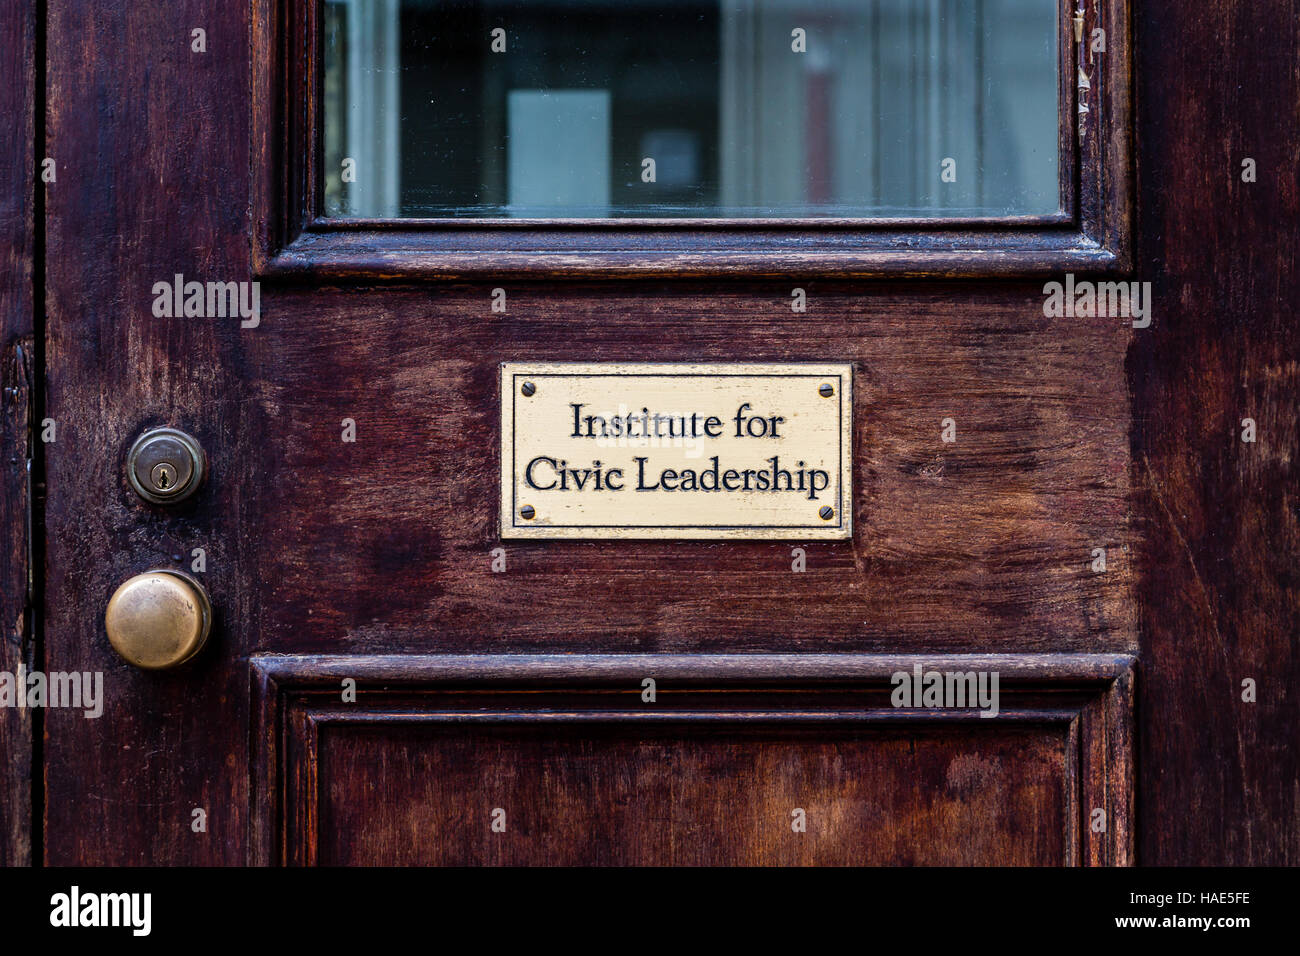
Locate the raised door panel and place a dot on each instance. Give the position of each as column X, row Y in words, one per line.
column 739, row 759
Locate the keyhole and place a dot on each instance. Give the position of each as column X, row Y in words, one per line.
column 164, row 476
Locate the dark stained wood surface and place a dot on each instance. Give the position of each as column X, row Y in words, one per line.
column 17, row 243
column 319, row 547
column 983, row 544
column 1221, row 536
column 581, row 795
column 153, row 141
column 323, row 547
column 587, row 771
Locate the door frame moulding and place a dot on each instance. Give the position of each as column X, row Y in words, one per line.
column 1088, row 697
column 292, row 239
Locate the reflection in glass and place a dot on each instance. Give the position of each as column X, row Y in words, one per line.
column 690, row 108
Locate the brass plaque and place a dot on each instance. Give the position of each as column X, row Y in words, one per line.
column 676, row 451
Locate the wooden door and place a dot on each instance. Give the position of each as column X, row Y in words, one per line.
column 500, row 715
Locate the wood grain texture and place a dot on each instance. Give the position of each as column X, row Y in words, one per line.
column 17, row 244
column 1220, row 591
column 982, row 544
column 599, row 794
column 589, row 773
column 320, row 547
column 153, row 181
column 384, row 545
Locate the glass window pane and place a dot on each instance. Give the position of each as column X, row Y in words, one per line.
column 690, row 108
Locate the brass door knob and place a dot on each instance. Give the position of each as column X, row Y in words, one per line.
column 158, row 619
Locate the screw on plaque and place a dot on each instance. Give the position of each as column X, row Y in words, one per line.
column 527, row 512
column 827, row 513
column 528, row 388
column 165, row 465
column 826, row 391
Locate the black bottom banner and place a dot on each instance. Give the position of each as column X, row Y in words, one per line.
column 468, row 908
